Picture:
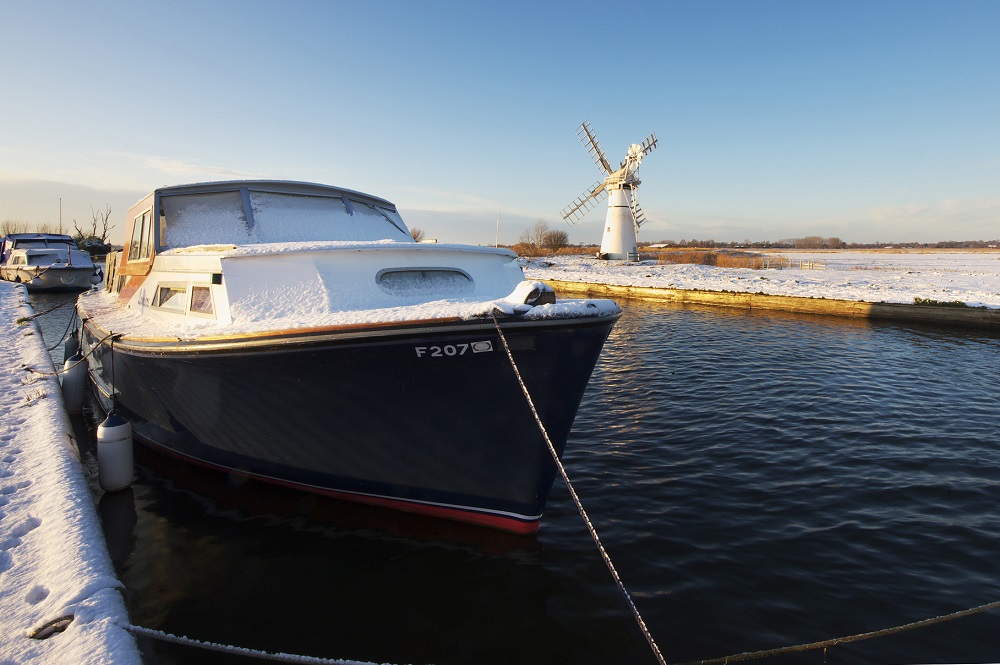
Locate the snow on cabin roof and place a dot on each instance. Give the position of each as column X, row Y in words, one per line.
column 243, row 212
column 258, row 249
column 279, row 186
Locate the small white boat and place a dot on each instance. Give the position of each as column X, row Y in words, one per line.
column 47, row 262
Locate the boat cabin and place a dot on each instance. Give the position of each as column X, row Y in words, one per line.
column 238, row 213
column 51, row 241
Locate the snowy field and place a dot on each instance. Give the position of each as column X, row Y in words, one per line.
column 53, row 560
column 896, row 277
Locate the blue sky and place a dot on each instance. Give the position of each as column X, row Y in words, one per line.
column 869, row 121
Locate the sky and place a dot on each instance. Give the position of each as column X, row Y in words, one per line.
column 873, row 121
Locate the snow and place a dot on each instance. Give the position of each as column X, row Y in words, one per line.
column 219, row 218
column 971, row 277
column 306, row 309
column 306, row 246
column 315, row 284
column 53, row 558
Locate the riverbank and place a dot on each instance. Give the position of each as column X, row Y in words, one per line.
column 953, row 288
column 54, row 563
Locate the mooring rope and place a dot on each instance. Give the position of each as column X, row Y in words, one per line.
column 824, row 644
column 66, row 369
column 576, row 500
column 73, row 319
column 51, row 309
column 240, row 651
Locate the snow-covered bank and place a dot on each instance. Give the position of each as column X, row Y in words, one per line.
column 53, row 559
column 970, row 277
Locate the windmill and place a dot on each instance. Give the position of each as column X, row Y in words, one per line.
column 621, row 229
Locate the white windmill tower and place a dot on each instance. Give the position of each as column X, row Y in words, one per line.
column 621, row 229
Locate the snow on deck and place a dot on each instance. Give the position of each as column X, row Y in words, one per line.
column 970, row 277
column 53, row 557
column 299, row 309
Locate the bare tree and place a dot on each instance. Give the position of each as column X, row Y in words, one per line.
column 13, row 226
column 98, row 218
column 535, row 235
column 418, row 234
column 95, row 240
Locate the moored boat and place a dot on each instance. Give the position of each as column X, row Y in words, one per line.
column 46, row 262
column 296, row 333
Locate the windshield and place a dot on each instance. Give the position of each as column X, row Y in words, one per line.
column 220, row 218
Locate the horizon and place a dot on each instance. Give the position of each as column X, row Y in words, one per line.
column 868, row 121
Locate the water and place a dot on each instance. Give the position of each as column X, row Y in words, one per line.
column 760, row 480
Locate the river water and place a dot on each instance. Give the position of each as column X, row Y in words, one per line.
column 759, row 479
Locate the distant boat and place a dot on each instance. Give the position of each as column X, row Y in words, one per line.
column 46, row 262
column 297, row 334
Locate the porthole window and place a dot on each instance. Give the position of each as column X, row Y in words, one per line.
column 442, row 282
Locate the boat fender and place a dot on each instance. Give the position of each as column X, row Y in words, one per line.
column 74, row 379
column 72, row 345
column 114, row 453
column 95, row 279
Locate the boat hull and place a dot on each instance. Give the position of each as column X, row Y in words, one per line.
column 50, row 278
column 428, row 418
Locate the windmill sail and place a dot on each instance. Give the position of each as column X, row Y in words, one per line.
column 638, row 216
column 584, row 203
column 586, row 134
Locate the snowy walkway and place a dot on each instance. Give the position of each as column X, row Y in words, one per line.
column 53, row 559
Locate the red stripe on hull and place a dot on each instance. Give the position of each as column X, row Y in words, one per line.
column 456, row 514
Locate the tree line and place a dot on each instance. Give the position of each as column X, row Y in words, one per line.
column 540, row 239
column 92, row 238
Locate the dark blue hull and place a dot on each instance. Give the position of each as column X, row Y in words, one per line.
column 427, row 418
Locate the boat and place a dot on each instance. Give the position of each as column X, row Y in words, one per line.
column 296, row 333
column 47, row 262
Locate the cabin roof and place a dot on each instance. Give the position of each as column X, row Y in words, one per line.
column 39, row 236
column 279, row 186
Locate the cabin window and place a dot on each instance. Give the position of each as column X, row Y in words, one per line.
column 133, row 248
column 294, row 217
column 140, row 247
column 203, row 219
column 20, row 261
column 442, row 282
column 147, row 235
column 201, row 300
column 171, row 298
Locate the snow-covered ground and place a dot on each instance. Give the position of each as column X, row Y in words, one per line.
column 971, row 277
column 53, row 559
